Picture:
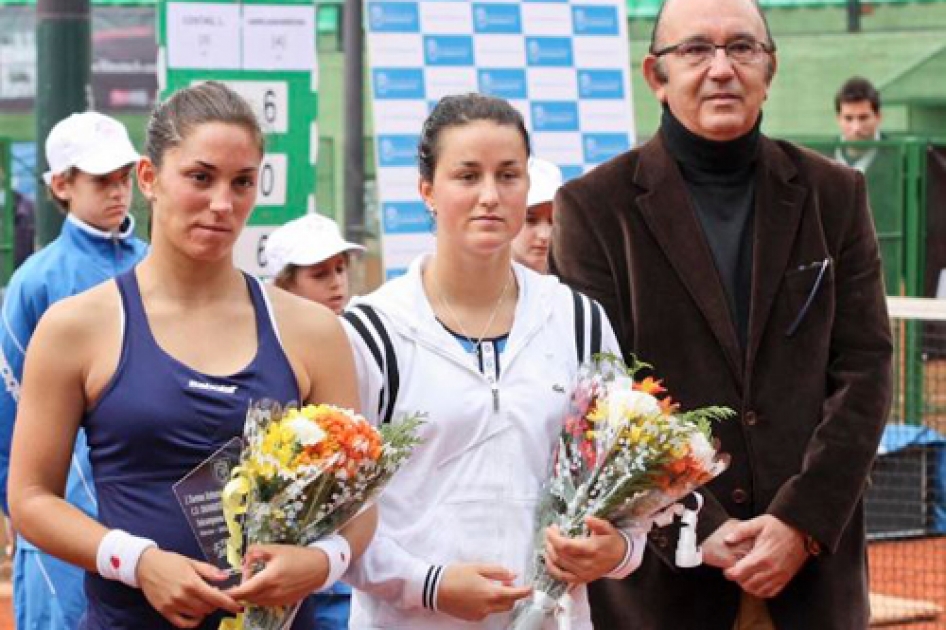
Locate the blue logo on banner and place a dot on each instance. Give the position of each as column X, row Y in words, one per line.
column 405, row 217
column 397, row 150
column 593, row 20
column 600, row 84
column 393, row 17
column 398, row 83
column 507, row 83
column 570, row 172
column 549, row 51
column 555, row 116
column 448, row 50
column 599, row 147
column 497, row 18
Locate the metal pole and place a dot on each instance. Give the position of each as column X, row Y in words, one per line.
column 854, row 16
column 63, row 86
column 354, row 196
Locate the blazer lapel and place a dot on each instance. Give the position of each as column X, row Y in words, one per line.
column 669, row 214
column 778, row 210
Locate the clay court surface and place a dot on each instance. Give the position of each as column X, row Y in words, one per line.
column 908, row 580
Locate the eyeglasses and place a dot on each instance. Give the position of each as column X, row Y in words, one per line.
column 699, row 52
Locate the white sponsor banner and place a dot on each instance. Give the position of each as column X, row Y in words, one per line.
column 564, row 64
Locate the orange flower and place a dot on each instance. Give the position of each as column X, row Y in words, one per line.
column 650, row 386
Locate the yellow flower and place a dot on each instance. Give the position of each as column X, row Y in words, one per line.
column 597, row 413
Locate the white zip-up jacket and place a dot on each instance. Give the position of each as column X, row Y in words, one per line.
column 469, row 492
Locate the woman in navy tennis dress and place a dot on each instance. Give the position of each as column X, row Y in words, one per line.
column 159, row 366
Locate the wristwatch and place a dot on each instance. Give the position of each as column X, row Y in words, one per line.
column 812, row 546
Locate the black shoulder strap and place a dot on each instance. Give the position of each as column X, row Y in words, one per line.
column 364, row 319
column 595, row 327
column 579, row 302
column 587, row 325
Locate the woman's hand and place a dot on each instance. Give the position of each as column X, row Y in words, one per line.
column 178, row 588
column 474, row 591
column 288, row 575
column 585, row 559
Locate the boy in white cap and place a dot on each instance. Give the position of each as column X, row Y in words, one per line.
column 531, row 245
column 90, row 163
column 308, row 256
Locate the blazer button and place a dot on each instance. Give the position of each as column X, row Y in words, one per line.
column 739, row 496
column 660, row 540
column 751, row 418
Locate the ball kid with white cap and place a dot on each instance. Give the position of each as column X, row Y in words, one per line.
column 90, row 163
column 531, row 245
column 308, row 256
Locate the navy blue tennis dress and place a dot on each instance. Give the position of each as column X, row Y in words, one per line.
column 155, row 422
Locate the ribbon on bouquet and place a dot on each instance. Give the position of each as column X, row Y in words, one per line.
column 546, row 606
column 235, row 623
column 233, row 499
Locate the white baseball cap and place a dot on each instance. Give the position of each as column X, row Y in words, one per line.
column 90, row 142
column 545, row 179
column 305, row 241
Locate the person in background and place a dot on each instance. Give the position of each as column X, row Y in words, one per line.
column 162, row 364
column 742, row 268
column 308, row 256
column 857, row 105
column 24, row 228
column 531, row 245
column 91, row 160
column 858, row 108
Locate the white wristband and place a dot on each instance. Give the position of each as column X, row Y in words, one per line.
column 620, row 571
column 338, row 551
column 118, row 555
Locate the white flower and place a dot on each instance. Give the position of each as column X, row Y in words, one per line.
column 307, row 432
column 701, row 449
column 624, row 401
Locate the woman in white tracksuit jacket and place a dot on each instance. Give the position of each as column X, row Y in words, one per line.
column 456, row 524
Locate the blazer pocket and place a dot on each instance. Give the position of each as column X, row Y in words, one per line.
column 808, row 290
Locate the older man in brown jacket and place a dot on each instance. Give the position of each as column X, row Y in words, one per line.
column 746, row 270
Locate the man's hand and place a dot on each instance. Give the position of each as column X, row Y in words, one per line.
column 717, row 552
column 583, row 560
column 474, row 591
column 775, row 558
column 178, row 588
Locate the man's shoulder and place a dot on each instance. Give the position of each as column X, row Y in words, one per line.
column 619, row 168
column 610, row 180
column 812, row 167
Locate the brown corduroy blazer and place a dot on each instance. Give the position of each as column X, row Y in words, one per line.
column 811, row 405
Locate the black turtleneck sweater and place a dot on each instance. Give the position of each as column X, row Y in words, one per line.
column 720, row 178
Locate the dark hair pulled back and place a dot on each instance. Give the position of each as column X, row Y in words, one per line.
column 458, row 110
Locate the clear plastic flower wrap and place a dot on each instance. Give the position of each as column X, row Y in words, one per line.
column 302, row 475
column 625, row 454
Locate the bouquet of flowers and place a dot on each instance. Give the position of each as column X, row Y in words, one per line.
column 303, row 473
column 624, row 455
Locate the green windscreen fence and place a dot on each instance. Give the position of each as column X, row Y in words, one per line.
column 884, row 164
column 647, row 9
